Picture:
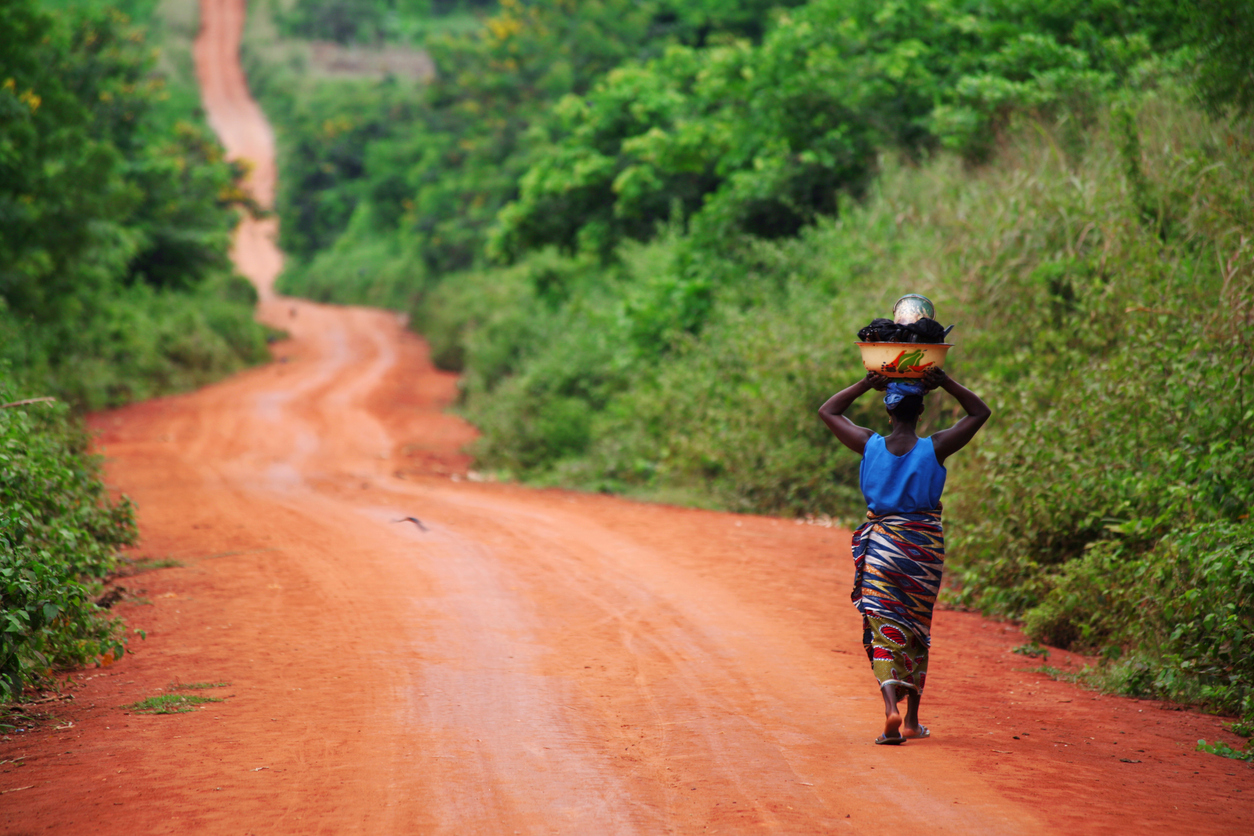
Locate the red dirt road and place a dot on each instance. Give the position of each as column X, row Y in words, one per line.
column 536, row 661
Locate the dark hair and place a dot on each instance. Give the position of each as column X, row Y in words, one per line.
column 908, row 409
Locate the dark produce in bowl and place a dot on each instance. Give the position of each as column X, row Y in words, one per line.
column 922, row 330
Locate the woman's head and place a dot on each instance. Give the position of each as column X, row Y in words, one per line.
column 907, row 410
column 904, row 400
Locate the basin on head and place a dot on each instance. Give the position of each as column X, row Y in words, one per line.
column 903, row 359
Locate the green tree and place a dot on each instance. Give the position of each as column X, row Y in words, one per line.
column 1222, row 31
column 59, row 162
column 115, row 216
column 93, row 193
column 762, row 138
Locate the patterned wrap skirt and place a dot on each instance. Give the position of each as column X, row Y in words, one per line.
column 898, row 560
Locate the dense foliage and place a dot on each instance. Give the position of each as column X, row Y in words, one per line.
column 649, row 252
column 116, row 207
column 436, row 167
column 761, row 139
column 58, row 531
column 1222, row 31
column 364, row 21
column 114, row 217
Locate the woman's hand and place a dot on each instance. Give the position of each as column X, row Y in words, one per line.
column 878, row 382
column 933, row 378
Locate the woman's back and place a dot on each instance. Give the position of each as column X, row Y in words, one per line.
column 905, row 484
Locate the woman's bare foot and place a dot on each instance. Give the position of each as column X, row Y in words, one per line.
column 892, row 717
column 891, row 735
column 919, row 730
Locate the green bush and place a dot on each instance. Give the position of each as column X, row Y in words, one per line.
column 137, row 343
column 358, row 270
column 1207, row 615
column 1175, row 619
column 493, row 316
column 58, row 534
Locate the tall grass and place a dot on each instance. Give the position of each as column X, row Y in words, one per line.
column 59, row 530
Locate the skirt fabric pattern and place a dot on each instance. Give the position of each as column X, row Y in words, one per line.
column 898, row 657
column 898, row 561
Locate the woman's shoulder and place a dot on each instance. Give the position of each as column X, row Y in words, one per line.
column 927, row 445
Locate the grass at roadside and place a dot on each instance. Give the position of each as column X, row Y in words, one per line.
column 171, row 704
column 196, row 686
column 150, row 564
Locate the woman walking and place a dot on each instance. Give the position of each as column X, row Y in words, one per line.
column 899, row 552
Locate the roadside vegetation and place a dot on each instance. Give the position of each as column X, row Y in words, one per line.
column 173, row 702
column 116, row 206
column 647, row 233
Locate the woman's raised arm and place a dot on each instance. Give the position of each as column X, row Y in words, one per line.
column 950, row 441
column 833, row 412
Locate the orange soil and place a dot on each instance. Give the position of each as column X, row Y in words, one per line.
column 536, row 662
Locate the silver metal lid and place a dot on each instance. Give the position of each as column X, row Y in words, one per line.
column 911, row 308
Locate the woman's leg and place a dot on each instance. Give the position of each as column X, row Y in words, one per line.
column 913, row 728
column 892, row 718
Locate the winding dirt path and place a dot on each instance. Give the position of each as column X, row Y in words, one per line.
column 535, row 661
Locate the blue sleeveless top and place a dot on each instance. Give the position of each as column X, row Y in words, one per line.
column 901, row 484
